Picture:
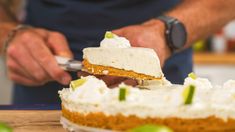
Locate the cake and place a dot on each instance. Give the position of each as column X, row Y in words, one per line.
column 116, row 57
column 195, row 106
column 90, row 105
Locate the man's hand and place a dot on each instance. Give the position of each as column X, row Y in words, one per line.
column 30, row 57
column 150, row 35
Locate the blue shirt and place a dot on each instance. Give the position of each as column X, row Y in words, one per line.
column 84, row 23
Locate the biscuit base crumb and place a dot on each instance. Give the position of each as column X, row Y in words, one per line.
column 100, row 70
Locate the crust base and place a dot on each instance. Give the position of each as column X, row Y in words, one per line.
column 101, row 70
column 120, row 122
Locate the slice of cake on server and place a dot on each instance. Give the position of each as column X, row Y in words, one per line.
column 116, row 57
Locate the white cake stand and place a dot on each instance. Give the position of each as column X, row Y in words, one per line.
column 72, row 127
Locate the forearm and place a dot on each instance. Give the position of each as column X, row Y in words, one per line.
column 7, row 21
column 203, row 17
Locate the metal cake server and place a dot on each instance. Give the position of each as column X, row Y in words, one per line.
column 68, row 63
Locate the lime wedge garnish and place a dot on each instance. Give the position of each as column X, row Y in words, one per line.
column 122, row 94
column 5, row 128
column 151, row 128
column 76, row 83
column 109, row 35
column 188, row 94
column 192, row 75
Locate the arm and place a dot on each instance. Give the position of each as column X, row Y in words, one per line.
column 203, row 17
column 7, row 20
column 30, row 53
column 200, row 17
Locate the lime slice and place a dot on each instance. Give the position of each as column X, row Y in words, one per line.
column 151, row 128
column 122, row 94
column 109, row 35
column 188, row 94
column 192, row 75
column 5, row 128
column 76, row 83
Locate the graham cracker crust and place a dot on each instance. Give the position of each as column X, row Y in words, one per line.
column 123, row 123
column 107, row 70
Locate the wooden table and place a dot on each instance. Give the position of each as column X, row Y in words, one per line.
column 32, row 120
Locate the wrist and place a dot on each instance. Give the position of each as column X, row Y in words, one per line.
column 5, row 29
column 159, row 27
column 175, row 33
column 9, row 36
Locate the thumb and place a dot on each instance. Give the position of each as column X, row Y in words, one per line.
column 118, row 32
column 59, row 45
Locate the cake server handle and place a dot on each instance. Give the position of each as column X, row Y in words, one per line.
column 68, row 64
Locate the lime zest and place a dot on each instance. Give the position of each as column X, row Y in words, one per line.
column 188, row 94
column 192, row 75
column 77, row 83
column 109, row 35
column 122, row 94
column 151, row 128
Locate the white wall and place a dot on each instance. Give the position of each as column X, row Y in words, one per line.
column 5, row 85
column 217, row 74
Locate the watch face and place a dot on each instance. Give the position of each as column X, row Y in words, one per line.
column 178, row 35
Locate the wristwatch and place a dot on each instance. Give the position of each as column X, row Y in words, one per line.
column 175, row 33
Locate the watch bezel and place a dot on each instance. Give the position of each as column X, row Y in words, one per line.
column 170, row 25
column 177, row 35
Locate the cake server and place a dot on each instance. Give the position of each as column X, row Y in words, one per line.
column 68, row 64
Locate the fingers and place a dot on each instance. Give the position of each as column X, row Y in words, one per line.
column 34, row 60
column 46, row 60
column 23, row 80
column 56, row 42
column 59, row 45
column 19, row 75
column 27, row 66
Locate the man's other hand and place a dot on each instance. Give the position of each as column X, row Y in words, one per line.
column 30, row 57
column 150, row 35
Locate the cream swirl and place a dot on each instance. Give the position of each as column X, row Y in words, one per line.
column 114, row 41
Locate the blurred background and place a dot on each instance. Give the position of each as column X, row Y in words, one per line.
column 214, row 57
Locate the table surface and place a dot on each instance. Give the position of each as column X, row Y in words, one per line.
column 30, row 118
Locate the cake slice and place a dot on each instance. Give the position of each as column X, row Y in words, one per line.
column 116, row 57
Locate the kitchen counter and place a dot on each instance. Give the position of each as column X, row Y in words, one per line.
column 213, row 58
column 30, row 118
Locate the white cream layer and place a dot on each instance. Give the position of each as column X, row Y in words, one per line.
column 140, row 60
column 160, row 102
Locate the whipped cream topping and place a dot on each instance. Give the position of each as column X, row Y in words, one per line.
column 91, row 91
column 162, row 102
column 115, row 42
